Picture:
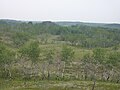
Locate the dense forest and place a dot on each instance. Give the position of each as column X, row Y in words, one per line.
column 59, row 51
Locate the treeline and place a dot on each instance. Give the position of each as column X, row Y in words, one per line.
column 78, row 35
column 91, row 37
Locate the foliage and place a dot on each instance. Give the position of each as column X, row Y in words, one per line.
column 114, row 58
column 79, row 52
column 67, row 54
column 6, row 55
column 99, row 55
column 20, row 39
column 31, row 51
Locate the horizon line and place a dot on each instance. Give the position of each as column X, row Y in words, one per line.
column 60, row 21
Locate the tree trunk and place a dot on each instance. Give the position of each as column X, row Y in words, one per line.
column 43, row 71
column 94, row 82
column 85, row 71
column 63, row 70
column 85, row 75
column 118, row 81
column 10, row 75
column 48, row 72
column 58, row 68
column 108, row 78
column 5, row 67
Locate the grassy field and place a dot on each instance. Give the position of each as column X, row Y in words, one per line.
column 56, row 85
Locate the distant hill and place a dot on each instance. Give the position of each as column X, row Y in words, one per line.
column 113, row 25
column 10, row 21
column 49, row 23
column 64, row 23
column 117, row 26
column 68, row 23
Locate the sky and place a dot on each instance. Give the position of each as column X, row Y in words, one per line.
column 100, row 11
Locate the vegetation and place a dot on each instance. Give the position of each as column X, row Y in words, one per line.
column 33, row 52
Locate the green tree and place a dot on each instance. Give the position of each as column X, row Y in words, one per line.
column 49, row 57
column 20, row 38
column 67, row 55
column 99, row 55
column 87, row 64
column 7, row 55
column 31, row 51
column 114, row 63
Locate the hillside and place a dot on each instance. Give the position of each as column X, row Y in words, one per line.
column 70, row 54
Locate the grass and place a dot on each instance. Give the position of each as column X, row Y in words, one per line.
column 56, row 85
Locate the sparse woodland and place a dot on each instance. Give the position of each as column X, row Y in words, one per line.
column 48, row 51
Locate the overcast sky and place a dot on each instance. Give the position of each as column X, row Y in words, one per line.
column 61, row 10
